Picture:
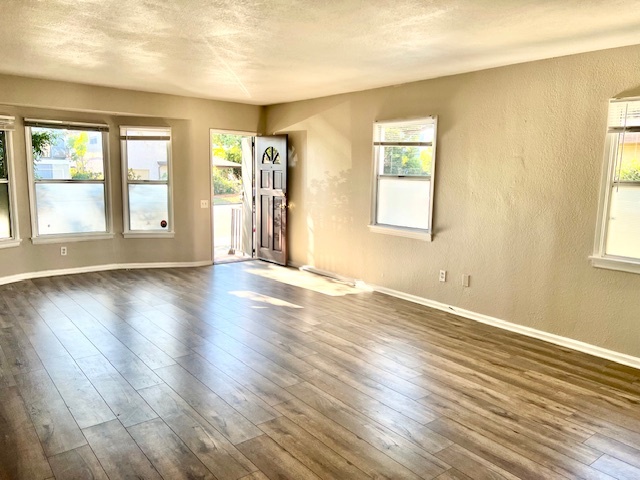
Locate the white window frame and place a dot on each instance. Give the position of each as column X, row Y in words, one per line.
column 36, row 237
column 7, row 126
column 415, row 233
column 600, row 258
column 128, row 233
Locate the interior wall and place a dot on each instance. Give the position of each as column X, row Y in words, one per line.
column 519, row 157
column 190, row 120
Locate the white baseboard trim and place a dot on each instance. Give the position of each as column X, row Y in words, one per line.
column 617, row 357
column 577, row 345
column 98, row 268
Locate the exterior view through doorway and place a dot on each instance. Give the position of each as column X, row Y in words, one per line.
column 232, row 197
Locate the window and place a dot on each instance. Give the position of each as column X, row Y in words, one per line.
column 68, row 180
column 146, row 167
column 8, row 226
column 617, row 243
column 404, row 162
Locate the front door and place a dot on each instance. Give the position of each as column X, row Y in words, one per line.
column 271, row 198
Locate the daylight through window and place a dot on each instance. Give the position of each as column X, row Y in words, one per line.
column 68, row 187
column 146, row 163
column 404, row 156
column 618, row 236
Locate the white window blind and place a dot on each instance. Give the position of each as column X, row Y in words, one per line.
column 7, row 123
column 624, row 116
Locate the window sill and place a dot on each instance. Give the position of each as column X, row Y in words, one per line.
column 148, row 234
column 44, row 239
column 622, row 265
column 10, row 243
column 401, row 232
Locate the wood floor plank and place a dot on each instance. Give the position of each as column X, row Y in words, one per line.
column 375, row 359
column 84, row 402
column 168, row 344
column 208, row 444
column 310, row 451
column 412, row 451
column 378, row 412
column 274, row 461
column 363, row 455
column 473, row 465
column 171, row 457
column 453, row 474
column 21, row 455
column 216, row 411
column 77, row 464
column 132, row 368
column 38, row 333
column 616, row 468
column 241, row 399
column 262, row 386
column 118, row 453
column 19, row 354
column 454, row 401
column 56, row 428
column 389, row 397
column 282, row 375
column 6, row 372
column 356, row 364
column 254, row 371
column 615, row 449
column 546, row 454
column 123, row 400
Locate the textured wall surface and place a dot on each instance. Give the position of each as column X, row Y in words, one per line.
column 518, row 171
column 190, row 120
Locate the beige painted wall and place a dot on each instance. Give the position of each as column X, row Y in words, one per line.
column 518, row 171
column 190, row 120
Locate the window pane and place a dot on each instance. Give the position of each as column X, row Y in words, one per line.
column 70, row 208
column 5, row 216
column 403, row 203
column 3, row 156
column 623, row 235
column 406, row 132
column 148, row 207
column 629, row 158
column 147, row 159
column 415, row 161
column 67, row 154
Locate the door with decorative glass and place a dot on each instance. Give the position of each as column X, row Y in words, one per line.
column 271, row 198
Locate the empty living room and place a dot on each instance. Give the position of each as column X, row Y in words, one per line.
column 246, row 240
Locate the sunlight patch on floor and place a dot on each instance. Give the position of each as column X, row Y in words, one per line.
column 309, row 281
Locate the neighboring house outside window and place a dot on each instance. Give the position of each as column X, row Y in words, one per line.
column 617, row 244
column 68, row 181
column 404, row 166
column 8, row 223
column 146, row 167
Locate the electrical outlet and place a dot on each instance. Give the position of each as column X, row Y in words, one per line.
column 204, row 203
column 63, row 251
column 465, row 279
column 443, row 275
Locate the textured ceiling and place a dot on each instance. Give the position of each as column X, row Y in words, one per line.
column 265, row 52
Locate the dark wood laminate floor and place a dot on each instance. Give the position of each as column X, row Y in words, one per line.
column 252, row 371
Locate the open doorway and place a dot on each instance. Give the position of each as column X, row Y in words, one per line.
column 232, row 196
